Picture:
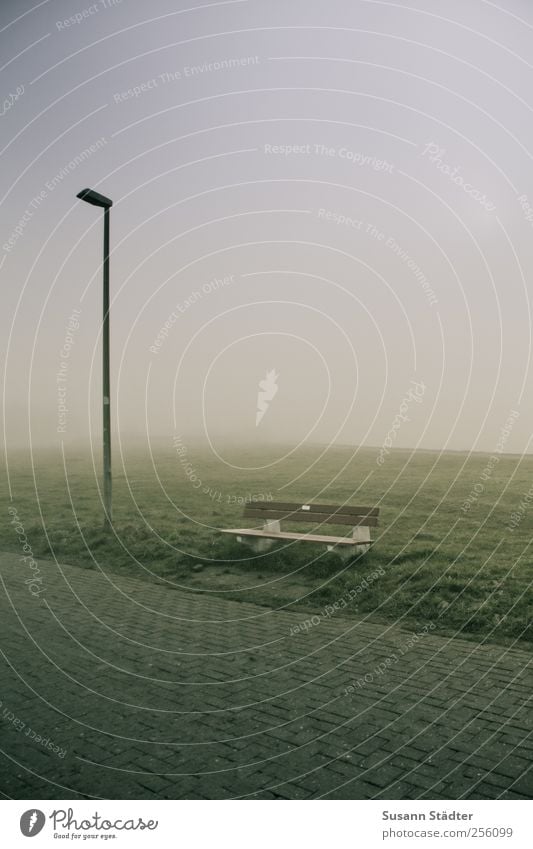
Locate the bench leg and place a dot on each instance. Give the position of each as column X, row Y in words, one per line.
column 256, row 543
column 361, row 533
column 264, row 543
column 345, row 552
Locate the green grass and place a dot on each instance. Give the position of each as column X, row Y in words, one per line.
column 465, row 572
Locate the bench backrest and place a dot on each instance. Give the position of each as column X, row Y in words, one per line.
column 314, row 513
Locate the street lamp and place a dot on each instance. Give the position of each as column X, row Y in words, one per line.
column 96, row 199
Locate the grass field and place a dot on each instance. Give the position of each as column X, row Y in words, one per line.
column 466, row 571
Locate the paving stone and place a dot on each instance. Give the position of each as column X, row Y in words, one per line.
column 189, row 697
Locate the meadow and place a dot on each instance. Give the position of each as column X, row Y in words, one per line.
column 452, row 547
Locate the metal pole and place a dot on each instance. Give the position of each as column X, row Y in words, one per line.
column 106, row 390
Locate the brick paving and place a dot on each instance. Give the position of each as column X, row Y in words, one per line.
column 147, row 691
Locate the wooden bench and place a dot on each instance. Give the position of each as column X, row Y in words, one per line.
column 272, row 513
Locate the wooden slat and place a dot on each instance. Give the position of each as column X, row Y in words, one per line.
column 322, row 538
column 315, row 518
column 349, row 509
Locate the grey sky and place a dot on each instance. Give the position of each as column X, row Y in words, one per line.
column 412, row 120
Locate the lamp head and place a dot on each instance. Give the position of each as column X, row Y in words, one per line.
column 95, row 198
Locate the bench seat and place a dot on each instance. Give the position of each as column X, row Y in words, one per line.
column 324, row 538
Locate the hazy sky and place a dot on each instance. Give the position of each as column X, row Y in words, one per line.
column 340, row 193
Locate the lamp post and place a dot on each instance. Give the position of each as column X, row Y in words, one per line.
column 97, row 199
